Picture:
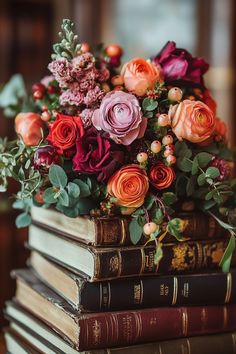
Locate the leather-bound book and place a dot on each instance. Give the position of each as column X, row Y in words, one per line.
column 120, row 328
column 134, row 293
column 114, row 231
column 31, row 334
column 111, row 263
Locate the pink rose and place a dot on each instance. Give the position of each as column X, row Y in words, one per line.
column 140, row 75
column 192, row 120
column 121, row 117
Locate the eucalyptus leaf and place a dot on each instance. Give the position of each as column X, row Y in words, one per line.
column 49, row 195
column 203, row 158
column 63, row 198
column 73, row 190
column 57, row 176
column 227, row 256
column 23, row 220
column 135, row 231
column 149, row 104
column 213, row 172
column 201, row 180
column 158, row 254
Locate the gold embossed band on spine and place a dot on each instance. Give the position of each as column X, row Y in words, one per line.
column 175, row 291
column 141, row 292
column 229, row 288
column 184, row 322
column 120, row 263
column 123, row 232
column 143, row 261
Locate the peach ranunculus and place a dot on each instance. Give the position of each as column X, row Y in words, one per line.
column 30, row 127
column 140, row 75
column 129, row 186
column 192, row 120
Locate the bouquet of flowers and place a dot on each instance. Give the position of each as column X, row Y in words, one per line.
column 136, row 141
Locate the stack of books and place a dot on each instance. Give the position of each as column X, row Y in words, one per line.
column 87, row 289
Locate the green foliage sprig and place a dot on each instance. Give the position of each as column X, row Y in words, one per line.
column 69, row 46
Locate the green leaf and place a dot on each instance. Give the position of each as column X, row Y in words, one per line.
column 208, row 204
column 23, row 220
column 227, row 256
column 73, row 190
column 158, row 254
column 149, row 200
column 12, row 91
column 175, row 228
column 57, row 176
column 203, row 159
column 209, row 195
column 148, row 114
column 213, row 172
column 49, row 195
column 201, row 180
column 218, row 197
column 135, row 231
column 158, row 216
column 169, row 198
column 70, row 212
column 138, row 212
column 63, row 198
column 195, row 166
column 181, row 149
column 222, row 223
column 149, row 104
column 184, row 164
column 84, row 188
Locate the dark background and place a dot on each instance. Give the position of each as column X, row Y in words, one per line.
column 28, row 28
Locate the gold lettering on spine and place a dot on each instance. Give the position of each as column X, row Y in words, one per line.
column 143, row 258
column 175, row 291
column 225, row 317
column 184, row 322
column 200, row 255
column 229, row 288
column 123, row 232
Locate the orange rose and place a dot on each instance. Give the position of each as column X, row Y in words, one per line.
column 29, row 126
column 140, row 75
column 220, row 128
column 192, row 120
column 161, row 176
column 65, row 131
column 129, row 186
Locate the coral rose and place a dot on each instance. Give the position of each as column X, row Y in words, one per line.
column 192, row 120
column 161, row 176
column 140, row 75
column 121, row 117
column 129, row 186
column 64, row 132
column 30, row 127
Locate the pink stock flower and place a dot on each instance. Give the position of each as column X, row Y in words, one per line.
column 72, row 96
column 86, row 116
column 121, row 117
column 94, row 97
column 62, row 71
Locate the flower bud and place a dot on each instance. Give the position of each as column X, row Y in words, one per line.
column 45, row 157
column 167, row 140
column 149, row 228
column 175, row 94
column 156, row 146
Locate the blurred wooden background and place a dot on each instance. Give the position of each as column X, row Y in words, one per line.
column 28, row 29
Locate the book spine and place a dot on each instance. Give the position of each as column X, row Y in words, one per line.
column 146, row 292
column 115, row 231
column 125, row 328
column 182, row 256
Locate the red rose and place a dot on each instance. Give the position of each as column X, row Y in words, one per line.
column 97, row 155
column 161, row 176
column 64, row 132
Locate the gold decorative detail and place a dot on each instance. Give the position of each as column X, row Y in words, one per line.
column 203, row 317
column 183, row 257
column 229, row 288
column 114, row 264
column 138, row 293
column 225, row 316
column 175, row 291
column 153, row 321
column 96, row 329
column 143, row 261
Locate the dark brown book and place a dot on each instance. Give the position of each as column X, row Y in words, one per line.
column 33, row 332
column 120, row 328
column 110, row 263
column 133, row 293
column 114, row 231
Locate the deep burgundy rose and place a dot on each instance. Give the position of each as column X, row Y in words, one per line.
column 44, row 157
column 178, row 64
column 97, row 155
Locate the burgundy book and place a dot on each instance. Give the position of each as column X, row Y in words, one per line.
column 139, row 292
column 27, row 329
column 114, row 231
column 101, row 263
column 109, row 329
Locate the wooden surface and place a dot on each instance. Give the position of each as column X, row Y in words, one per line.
column 2, row 345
